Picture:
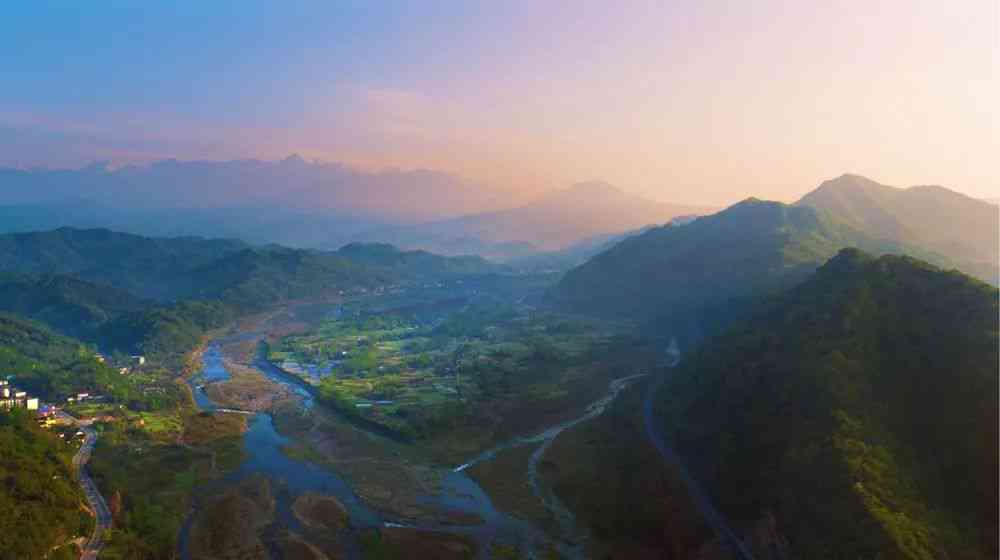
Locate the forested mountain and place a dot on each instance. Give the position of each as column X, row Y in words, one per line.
column 149, row 267
column 860, row 409
column 70, row 305
column 964, row 230
column 49, row 365
column 686, row 271
column 41, row 507
column 94, row 284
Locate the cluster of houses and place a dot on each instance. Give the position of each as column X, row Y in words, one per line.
column 134, row 361
column 12, row 397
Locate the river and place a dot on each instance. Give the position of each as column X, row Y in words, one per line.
column 263, row 445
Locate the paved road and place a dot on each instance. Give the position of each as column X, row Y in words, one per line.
column 96, row 542
column 726, row 535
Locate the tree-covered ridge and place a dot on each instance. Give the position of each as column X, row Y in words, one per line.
column 41, row 506
column 751, row 248
column 148, row 267
column 962, row 231
column 51, row 366
column 70, row 305
column 861, row 408
column 95, row 284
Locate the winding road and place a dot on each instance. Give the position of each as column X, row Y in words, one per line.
column 93, row 545
column 574, row 538
column 712, row 516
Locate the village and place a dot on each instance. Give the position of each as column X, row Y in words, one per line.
column 49, row 415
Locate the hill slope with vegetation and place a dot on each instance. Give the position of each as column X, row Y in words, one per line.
column 159, row 295
column 70, row 305
column 961, row 230
column 41, row 506
column 704, row 271
column 149, row 267
column 860, row 409
column 52, row 366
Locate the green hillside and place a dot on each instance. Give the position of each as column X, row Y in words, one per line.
column 148, row 267
column 52, row 366
column 860, row 408
column 703, row 271
column 41, row 506
column 963, row 232
column 72, row 306
column 96, row 284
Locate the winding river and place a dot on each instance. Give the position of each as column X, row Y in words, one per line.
column 457, row 491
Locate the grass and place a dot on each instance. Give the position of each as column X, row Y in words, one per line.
column 148, row 464
column 419, row 375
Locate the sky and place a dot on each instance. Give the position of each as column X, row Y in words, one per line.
column 697, row 102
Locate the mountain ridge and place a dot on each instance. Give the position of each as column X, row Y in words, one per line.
column 551, row 222
column 960, row 228
column 866, row 400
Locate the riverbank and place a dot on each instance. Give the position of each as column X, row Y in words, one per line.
column 311, row 451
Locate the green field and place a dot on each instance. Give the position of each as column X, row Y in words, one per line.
column 417, row 370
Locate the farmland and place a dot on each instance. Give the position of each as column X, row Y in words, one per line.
column 418, row 370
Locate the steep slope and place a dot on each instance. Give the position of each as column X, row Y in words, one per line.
column 49, row 365
column 860, row 409
column 41, row 507
column 552, row 222
column 72, row 306
column 150, row 267
column 960, row 229
column 682, row 272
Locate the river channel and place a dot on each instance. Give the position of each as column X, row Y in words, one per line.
column 264, row 445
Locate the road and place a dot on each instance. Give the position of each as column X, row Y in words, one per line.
column 103, row 522
column 712, row 516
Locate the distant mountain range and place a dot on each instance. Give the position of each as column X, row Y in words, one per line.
column 704, row 269
column 292, row 201
column 302, row 203
column 554, row 222
column 857, row 411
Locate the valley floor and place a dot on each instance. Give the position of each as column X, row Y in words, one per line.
column 482, row 487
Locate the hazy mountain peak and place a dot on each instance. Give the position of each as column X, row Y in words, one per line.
column 294, row 159
column 951, row 224
column 851, row 181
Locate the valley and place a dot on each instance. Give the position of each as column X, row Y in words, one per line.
column 516, row 280
column 309, row 441
column 370, row 402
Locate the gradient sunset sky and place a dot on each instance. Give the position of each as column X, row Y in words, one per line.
column 700, row 102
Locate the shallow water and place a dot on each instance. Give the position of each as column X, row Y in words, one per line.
column 292, row 478
column 263, row 445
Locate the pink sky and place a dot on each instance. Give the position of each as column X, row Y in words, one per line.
column 689, row 102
